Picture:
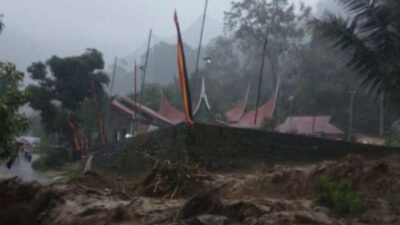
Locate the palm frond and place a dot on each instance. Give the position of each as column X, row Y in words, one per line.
column 373, row 21
column 342, row 34
column 371, row 37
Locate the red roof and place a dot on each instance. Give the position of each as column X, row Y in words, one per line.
column 170, row 112
column 236, row 113
column 122, row 108
column 304, row 125
column 265, row 112
column 144, row 109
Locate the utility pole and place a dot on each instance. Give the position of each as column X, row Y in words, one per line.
column 110, row 93
column 144, row 69
column 351, row 114
column 135, row 92
column 260, row 77
column 381, row 115
column 315, row 108
column 201, row 39
column 290, row 112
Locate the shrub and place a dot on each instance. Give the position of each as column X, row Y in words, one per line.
column 50, row 158
column 393, row 139
column 340, row 196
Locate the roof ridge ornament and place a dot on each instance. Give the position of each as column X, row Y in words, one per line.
column 203, row 97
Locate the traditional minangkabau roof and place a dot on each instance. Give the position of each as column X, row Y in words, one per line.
column 170, row 112
column 237, row 117
column 237, row 112
column 135, row 107
column 265, row 112
column 304, row 125
column 203, row 98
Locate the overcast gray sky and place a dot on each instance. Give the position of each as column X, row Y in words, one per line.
column 116, row 27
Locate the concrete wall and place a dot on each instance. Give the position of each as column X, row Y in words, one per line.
column 218, row 147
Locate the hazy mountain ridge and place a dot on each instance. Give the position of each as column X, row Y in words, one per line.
column 162, row 59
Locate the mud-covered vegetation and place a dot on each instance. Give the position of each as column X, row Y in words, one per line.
column 339, row 195
column 283, row 194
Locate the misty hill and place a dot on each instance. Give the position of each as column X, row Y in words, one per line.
column 162, row 65
column 191, row 35
column 162, row 68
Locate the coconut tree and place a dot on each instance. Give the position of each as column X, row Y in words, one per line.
column 369, row 34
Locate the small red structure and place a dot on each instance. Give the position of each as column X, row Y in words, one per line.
column 311, row 125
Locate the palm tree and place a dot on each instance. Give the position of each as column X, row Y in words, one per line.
column 369, row 34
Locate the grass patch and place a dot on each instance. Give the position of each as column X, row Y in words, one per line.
column 47, row 163
column 50, row 158
column 340, row 196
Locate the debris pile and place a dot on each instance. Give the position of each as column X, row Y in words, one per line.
column 372, row 178
column 25, row 203
column 202, row 203
column 169, row 180
column 174, row 194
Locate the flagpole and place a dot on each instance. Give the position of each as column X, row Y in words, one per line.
column 135, row 89
column 201, row 38
column 260, row 77
column 144, row 77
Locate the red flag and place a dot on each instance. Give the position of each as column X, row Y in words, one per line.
column 183, row 75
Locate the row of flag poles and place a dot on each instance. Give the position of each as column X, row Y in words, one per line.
column 183, row 83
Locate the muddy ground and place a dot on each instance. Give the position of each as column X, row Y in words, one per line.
column 282, row 195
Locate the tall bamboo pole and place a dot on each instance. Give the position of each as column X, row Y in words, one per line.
column 260, row 77
column 201, row 39
column 135, row 89
column 144, row 70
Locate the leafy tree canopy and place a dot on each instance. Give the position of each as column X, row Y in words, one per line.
column 11, row 99
column 63, row 85
column 253, row 21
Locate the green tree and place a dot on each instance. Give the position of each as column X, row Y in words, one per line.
column 369, row 35
column 11, row 99
column 64, row 84
column 252, row 21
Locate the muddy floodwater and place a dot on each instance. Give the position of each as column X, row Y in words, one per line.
column 22, row 168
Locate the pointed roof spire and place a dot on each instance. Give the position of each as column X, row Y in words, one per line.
column 203, row 97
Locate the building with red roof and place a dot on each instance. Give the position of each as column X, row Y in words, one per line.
column 235, row 114
column 238, row 117
column 167, row 110
column 311, row 125
column 265, row 112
